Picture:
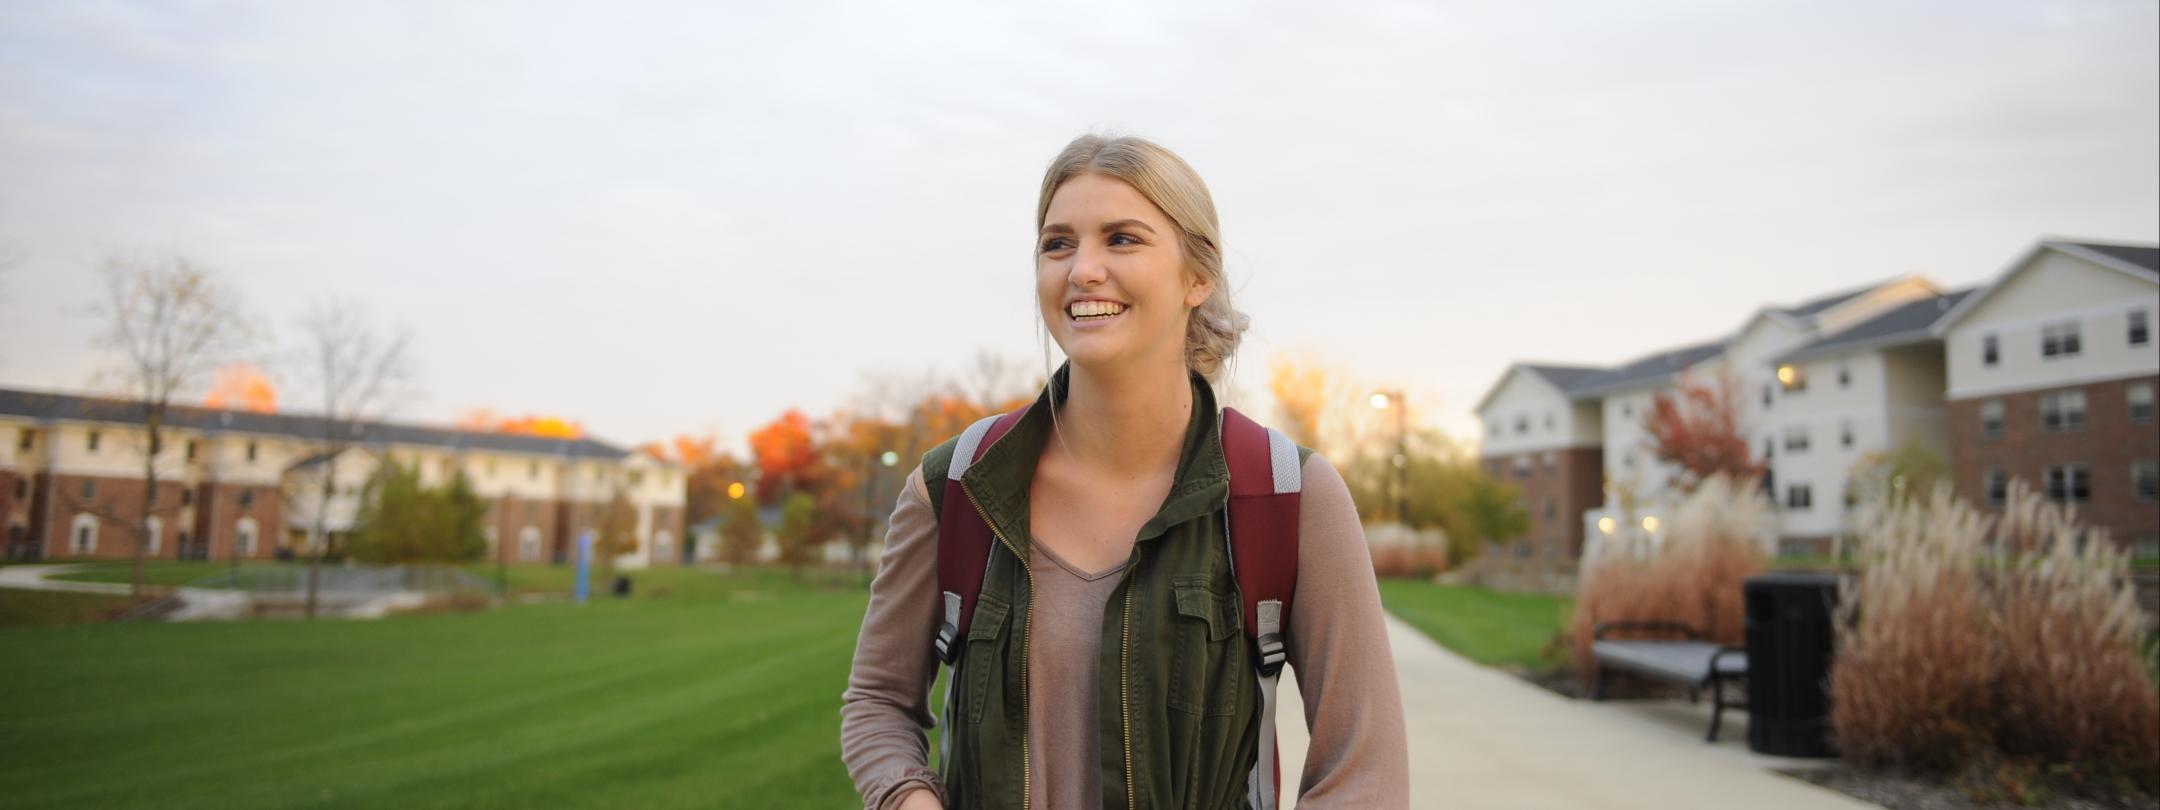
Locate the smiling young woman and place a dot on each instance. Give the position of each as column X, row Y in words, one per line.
column 1107, row 664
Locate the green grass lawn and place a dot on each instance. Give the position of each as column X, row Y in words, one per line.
column 725, row 692
column 1488, row 627
column 158, row 572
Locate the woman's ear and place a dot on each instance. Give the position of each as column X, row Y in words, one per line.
column 1198, row 293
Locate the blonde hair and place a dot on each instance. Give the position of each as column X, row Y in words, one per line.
column 1213, row 332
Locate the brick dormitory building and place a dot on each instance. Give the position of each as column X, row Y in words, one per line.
column 246, row 484
column 2047, row 373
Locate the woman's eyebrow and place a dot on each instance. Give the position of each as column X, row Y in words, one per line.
column 1126, row 223
column 1057, row 227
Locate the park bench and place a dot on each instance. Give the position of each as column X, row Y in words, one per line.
column 1691, row 662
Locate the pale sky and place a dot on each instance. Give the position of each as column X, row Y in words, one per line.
column 663, row 219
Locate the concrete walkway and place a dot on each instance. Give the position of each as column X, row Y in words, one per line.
column 196, row 604
column 1480, row 738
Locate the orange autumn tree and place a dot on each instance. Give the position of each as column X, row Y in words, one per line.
column 1696, row 428
column 785, row 453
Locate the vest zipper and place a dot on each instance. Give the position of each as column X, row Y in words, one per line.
column 1027, row 637
column 1125, row 675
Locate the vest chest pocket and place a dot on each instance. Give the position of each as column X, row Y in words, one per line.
column 982, row 663
column 1207, row 674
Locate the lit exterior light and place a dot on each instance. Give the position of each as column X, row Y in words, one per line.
column 1650, row 523
column 1785, row 374
column 889, row 458
column 735, row 490
column 1607, row 524
column 1380, row 402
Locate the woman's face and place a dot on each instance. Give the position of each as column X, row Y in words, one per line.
column 1110, row 277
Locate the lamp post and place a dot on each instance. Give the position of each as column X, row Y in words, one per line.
column 1384, row 399
column 870, row 465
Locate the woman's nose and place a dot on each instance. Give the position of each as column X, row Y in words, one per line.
column 1088, row 269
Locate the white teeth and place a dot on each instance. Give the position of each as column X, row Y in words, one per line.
column 1095, row 309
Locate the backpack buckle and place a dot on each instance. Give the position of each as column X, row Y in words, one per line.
column 947, row 633
column 1272, row 655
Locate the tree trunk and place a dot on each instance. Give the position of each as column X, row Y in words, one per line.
column 149, row 502
column 322, row 522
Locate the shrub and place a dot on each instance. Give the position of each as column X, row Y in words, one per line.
column 1693, row 575
column 1401, row 552
column 1967, row 642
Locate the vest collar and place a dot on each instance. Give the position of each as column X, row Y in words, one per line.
column 1001, row 480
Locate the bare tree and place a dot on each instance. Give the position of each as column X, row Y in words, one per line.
column 994, row 379
column 171, row 321
column 361, row 373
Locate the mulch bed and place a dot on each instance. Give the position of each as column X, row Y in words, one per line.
column 1899, row 791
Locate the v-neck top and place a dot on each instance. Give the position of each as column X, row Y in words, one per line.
column 1063, row 657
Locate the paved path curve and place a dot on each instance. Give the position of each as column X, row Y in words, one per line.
column 195, row 603
column 1480, row 738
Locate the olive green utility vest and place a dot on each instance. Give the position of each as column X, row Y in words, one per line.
column 1186, row 693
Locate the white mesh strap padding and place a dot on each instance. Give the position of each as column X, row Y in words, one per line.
column 1260, row 786
column 963, row 454
column 1282, row 456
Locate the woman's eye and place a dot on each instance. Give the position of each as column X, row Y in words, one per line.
column 1124, row 239
column 1055, row 245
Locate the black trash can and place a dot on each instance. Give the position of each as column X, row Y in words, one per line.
column 622, row 586
column 1789, row 650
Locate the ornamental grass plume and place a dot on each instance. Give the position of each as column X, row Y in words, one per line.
column 1968, row 640
column 1713, row 542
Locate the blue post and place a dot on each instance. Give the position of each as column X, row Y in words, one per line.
column 584, row 565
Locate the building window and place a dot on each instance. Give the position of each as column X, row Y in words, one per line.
column 1547, row 458
column 1549, row 511
column 82, row 536
column 1845, row 435
column 2059, row 339
column 2145, row 479
column 1766, row 395
column 151, row 534
column 1523, row 551
column 1990, row 350
column 1998, row 486
column 89, row 488
column 1796, row 439
column 22, row 488
column 94, row 436
column 1991, row 419
column 2069, row 483
column 1844, row 377
column 2141, row 402
column 26, row 440
column 532, row 471
column 2063, row 411
column 191, row 450
column 492, row 541
column 529, row 544
column 2140, row 330
column 251, row 452
column 1522, row 423
column 1627, row 409
column 1769, row 447
column 244, row 536
column 1522, row 466
column 247, row 498
column 1799, row 496
column 187, row 497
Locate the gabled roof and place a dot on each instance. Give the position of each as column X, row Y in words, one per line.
column 1650, row 368
column 48, row 406
column 1559, row 376
column 2140, row 262
column 1902, row 325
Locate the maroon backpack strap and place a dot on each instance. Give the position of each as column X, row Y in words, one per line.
column 1265, row 482
column 964, row 540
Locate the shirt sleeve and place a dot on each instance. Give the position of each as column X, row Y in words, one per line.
column 1339, row 649
column 886, row 707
